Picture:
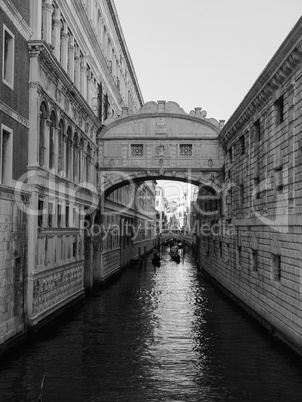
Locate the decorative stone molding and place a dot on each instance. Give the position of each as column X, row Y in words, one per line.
column 256, row 98
column 16, row 18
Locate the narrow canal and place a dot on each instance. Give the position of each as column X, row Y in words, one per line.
column 155, row 335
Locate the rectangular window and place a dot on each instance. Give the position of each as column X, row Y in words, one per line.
column 186, row 150
column 137, row 150
column 279, row 110
column 276, row 267
column 74, row 248
column 59, row 216
column 50, row 214
column 67, row 216
column 257, row 130
column 239, row 255
column 254, row 260
column 220, row 248
column 242, row 145
column 40, row 213
column 279, row 178
column 8, row 57
column 257, row 187
column 6, row 155
column 230, row 152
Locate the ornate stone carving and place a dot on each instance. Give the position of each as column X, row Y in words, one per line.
column 161, row 126
column 160, row 150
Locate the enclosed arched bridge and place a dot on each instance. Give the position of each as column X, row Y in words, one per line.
column 160, row 142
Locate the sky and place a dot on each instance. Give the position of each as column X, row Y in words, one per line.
column 203, row 53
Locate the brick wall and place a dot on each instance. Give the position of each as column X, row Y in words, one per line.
column 257, row 253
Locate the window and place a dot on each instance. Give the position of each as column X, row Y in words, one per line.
column 254, row 260
column 186, row 150
column 257, row 130
column 239, row 255
column 230, row 152
column 279, row 178
column 40, row 213
column 6, row 155
column 257, row 187
column 59, row 216
column 52, row 141
column 42, row 147
column 242, row 145
column 67, row 216
column 50, row 214
column 8, row 57
column 61, row 147
column 74, row 248
column 279, row 110
column 276, row 267
column 137, row 150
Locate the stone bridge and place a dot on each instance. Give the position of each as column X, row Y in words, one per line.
column 166, row 237
column 160, row 142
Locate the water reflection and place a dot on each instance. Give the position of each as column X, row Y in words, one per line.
column 155, row 335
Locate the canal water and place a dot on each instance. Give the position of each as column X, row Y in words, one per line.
column 155, row 335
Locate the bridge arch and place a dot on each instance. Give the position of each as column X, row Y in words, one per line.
column 160, row 142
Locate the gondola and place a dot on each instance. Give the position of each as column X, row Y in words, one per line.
column 174, row 254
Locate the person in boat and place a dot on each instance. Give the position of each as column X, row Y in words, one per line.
column 156, row 259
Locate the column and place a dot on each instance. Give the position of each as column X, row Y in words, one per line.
column 56, row 33
column 89, row 96
column 71, row 145
column 71, row 55
column 83, row 79
column 47, row 143
column 34, row 112
column 64, row 47
column 56, row 149
column 65, row 142
column 89, row 10
column 77, row 77
column 36, row 19
column 47, row 20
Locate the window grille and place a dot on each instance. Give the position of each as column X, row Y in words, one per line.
column 137, row 150
column 186, row 150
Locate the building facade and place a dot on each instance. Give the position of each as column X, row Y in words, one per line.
column 65, row 70
column 14, row 132
column 160, row 206
column 251, row 243
column 129, row 227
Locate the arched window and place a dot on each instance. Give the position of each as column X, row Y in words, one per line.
column 75, row 158
column 88, row 156
column 52, row 140
column 80, row 159
column 61, row 147
column 68, row 152
column 43, row 117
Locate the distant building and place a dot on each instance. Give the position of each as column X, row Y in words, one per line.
column 160, row 207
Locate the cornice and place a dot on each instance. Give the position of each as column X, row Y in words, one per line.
column 276, row 73
column 124, row 50
column 11, row 11
column 104, row 75
column 43, row 50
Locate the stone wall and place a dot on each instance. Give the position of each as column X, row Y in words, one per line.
column 256, row 252
column 13, row 266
